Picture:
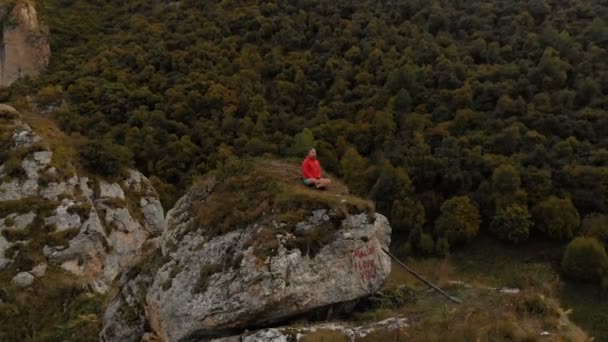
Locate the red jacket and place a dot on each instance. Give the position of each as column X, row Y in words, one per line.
column 311, row 168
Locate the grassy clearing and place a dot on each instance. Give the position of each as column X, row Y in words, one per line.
column 536, row 265
column 589, row 305
column 486, row 315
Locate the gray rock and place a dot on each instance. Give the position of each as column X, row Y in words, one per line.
column 219, row 284
column 24, row 137
column 110, row 190
column 101, row 249
column 154, row 222
column 54, row 189
column 4, row 245
column 124, row 318
column 39, row 270
column 62, row 219
column 268, row 335
column 23, row 279
column 296, row 333
column 43, row 157
column 31, row 168
column 84, row 186
column 319, row 215
column 15, row 190
column 24, row 220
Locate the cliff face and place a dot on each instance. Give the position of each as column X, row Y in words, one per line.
column 90, row 227
column 24, row 43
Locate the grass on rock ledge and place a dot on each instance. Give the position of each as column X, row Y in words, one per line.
column 271, row 193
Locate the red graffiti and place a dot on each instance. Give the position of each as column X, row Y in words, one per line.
column 364, row 251
column 366, row 262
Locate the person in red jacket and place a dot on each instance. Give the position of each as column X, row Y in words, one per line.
column 311, row 171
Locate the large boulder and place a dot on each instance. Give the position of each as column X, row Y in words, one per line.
column 279, row 261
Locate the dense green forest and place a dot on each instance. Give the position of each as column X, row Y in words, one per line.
column 455, row 117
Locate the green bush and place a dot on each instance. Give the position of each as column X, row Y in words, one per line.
column 390, row 298
column 596, row 225
column 442, row 247
column 459, row 220
column 104, row 157
column 585, row 260
column 557, row 218
column 427, row 245
column 512, row 223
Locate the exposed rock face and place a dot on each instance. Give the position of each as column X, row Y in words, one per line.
column 92, row 228
column 24, row 42
column 209, row 286
column 124, row 318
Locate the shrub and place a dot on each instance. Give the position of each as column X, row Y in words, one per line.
column 104, row 157
column 585, row 259
column 389, row 298
column 427, row 245
column 407, row 214
column 512, row 224
column 459, row 220
column 596, row 225
column 557, row 218
column 442, row 247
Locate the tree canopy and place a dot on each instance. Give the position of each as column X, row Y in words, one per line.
column 412, row 102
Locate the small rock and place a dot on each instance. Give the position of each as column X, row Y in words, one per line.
column 43, row 157
column 509, row 290
column 84, row 186
column 23, row 279
column 110, row 190
column 270, row 335
column 4, row 108
column 52, row 171
column 24, row 138
column 39, row 270
column 22, row 221
column 319, row 215
column 62, row 219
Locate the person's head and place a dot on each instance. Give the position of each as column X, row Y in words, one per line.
column 312, row 153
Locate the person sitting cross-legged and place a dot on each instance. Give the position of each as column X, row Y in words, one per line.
column 311, row 171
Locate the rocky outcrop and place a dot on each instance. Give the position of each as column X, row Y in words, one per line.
column 90, row 227
column 124, row 318
column 262, row 274
column 24, row 42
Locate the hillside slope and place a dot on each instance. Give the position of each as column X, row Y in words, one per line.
column 64, row 236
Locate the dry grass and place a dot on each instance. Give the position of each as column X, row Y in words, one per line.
column 291, row 173
column 62, row 145
column 485, row 315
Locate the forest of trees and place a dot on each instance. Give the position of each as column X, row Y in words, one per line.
column 455, row 116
